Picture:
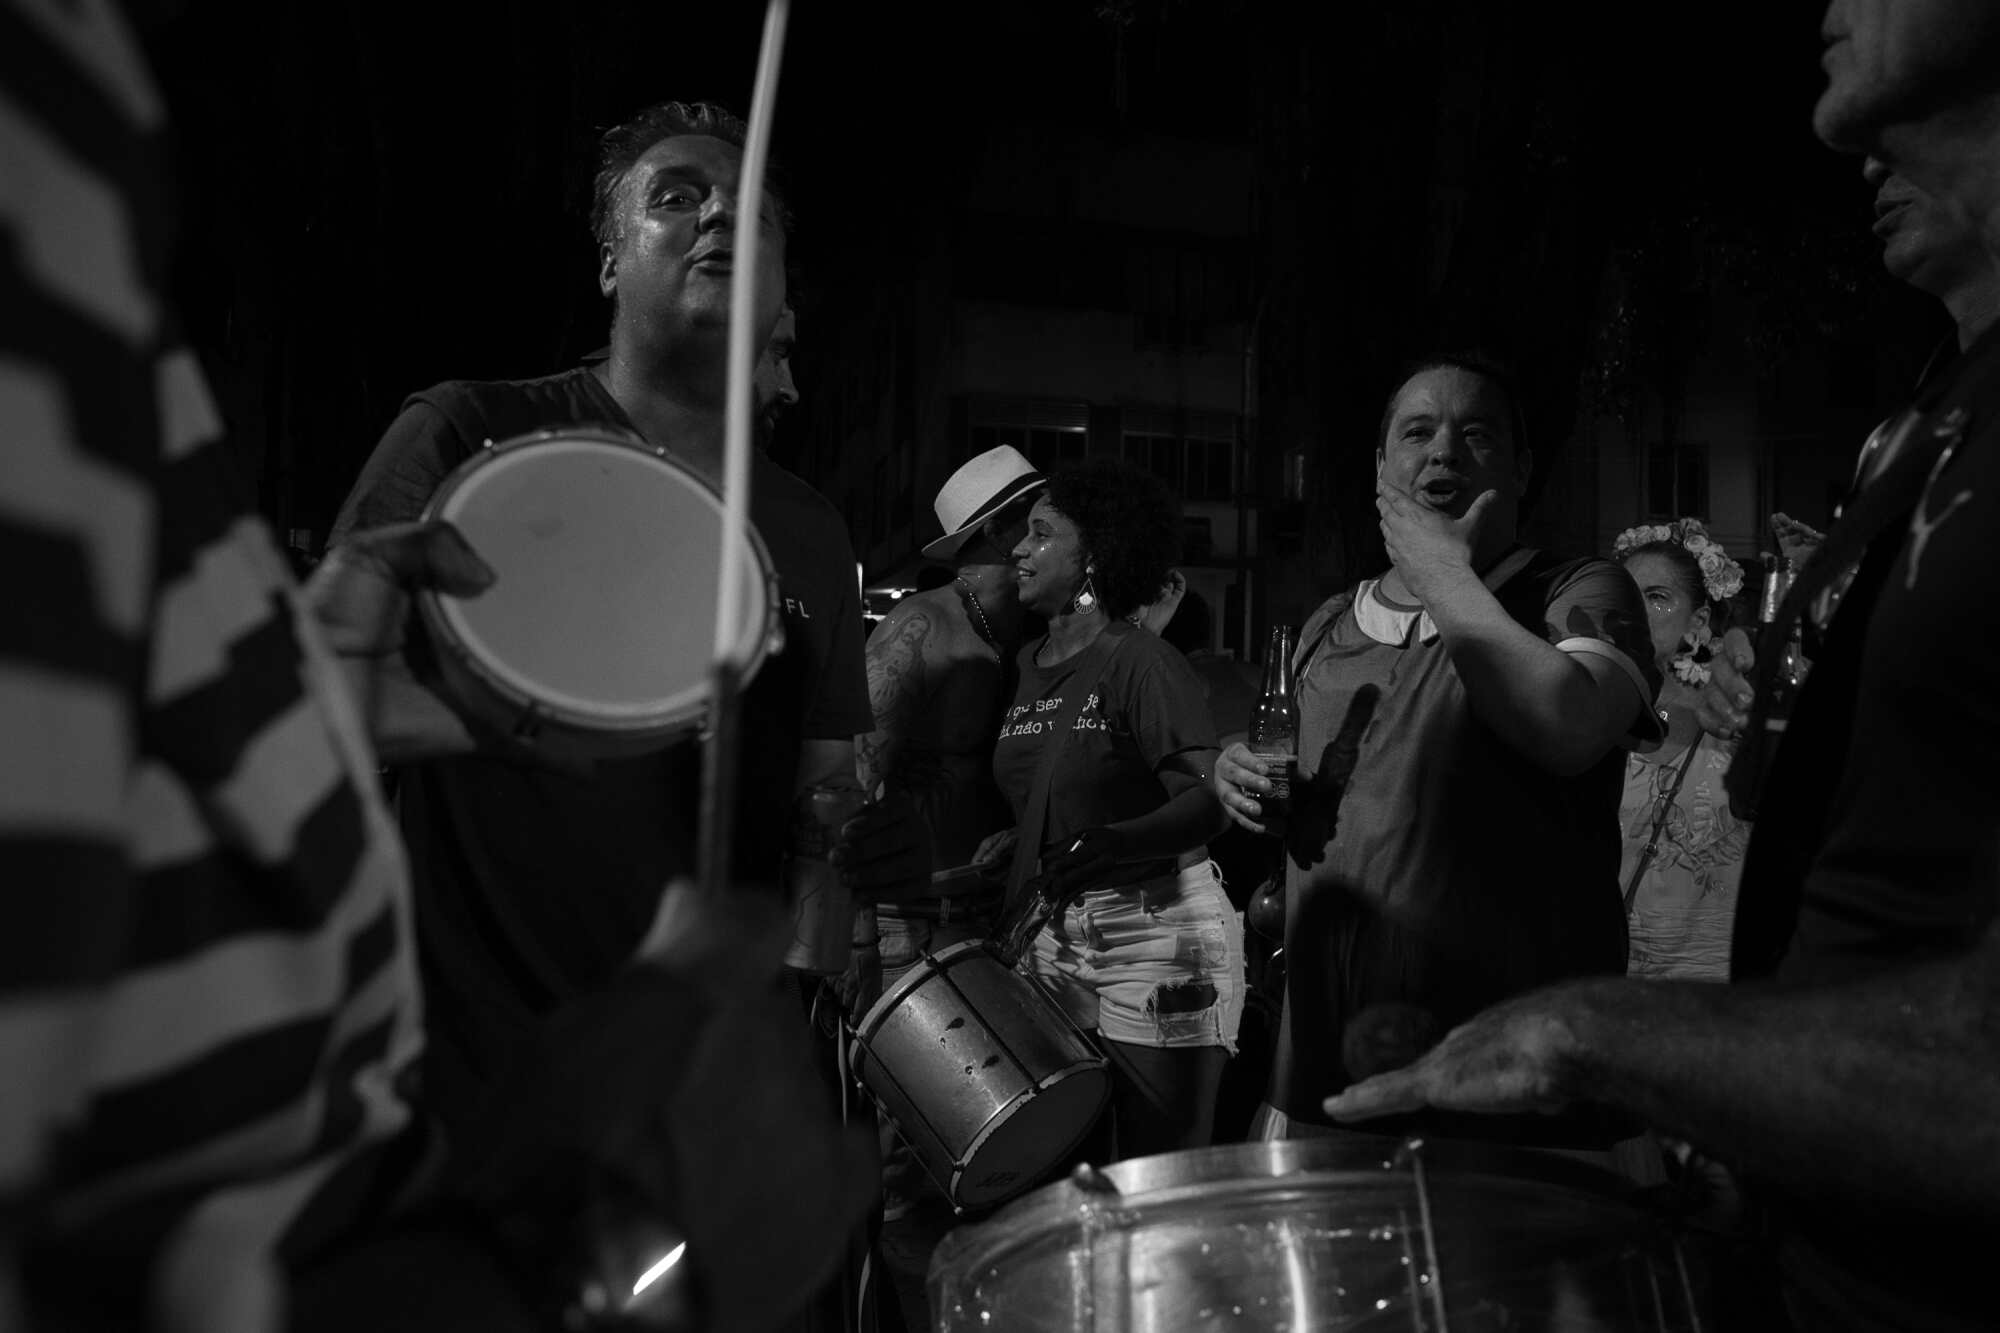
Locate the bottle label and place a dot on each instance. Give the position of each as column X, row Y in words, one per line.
column 1280, row 777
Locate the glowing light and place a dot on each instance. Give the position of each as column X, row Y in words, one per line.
column 659, row 1270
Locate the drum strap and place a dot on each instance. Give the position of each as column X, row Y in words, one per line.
column 1034, row 815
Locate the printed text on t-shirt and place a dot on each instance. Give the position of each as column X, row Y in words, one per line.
column 1019, row 723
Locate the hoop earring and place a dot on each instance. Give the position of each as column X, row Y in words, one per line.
column 1085, row 600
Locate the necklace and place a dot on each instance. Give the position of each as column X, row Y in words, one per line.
column 978, row 612
column 1665, row 795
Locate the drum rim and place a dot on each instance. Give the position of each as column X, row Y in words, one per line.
column 885, row 1003
column 1096, row 1064
column 1358, row 1150
column 440, row 614
column 1301, row 1164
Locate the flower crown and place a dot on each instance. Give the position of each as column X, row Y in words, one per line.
column 1720, row 576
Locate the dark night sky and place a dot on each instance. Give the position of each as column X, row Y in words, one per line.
column 377, row 196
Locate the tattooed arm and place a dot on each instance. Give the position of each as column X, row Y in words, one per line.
column 896, row 690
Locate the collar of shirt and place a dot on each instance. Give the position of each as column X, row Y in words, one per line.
column 1390, row 624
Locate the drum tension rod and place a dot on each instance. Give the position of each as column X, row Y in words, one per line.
column 1412, row 1155
column 1091, row 1180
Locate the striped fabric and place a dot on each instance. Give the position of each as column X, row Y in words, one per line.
column 206, row 987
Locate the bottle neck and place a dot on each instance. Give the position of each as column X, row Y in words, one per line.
column 1775, row 585
column 1278, row 663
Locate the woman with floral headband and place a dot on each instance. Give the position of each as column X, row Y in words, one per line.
column 1683, row 850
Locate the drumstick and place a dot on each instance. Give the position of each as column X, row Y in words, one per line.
column 719, row 761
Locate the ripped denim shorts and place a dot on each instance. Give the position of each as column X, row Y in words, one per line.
column 1157, row 963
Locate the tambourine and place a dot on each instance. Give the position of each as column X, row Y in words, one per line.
column 594, row 641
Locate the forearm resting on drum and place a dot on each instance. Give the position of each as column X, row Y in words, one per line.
column 1882, row 1090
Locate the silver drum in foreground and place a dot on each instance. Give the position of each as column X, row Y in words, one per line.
column 1336, row 1236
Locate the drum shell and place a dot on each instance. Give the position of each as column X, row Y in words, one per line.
column 543, row 725
column 534, row 724
column 957, row 1049
column 1324, row 1234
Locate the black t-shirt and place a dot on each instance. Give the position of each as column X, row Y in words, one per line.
column 1878, row 842
column 534, row 885
column 1147, row 707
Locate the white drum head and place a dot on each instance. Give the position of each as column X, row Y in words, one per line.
column 606, row 554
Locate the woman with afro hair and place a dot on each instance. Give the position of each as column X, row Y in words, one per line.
column 1145, row 950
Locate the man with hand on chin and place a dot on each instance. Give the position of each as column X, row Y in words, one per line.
column 1452, row 838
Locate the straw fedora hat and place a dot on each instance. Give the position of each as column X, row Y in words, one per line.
column 976, row 492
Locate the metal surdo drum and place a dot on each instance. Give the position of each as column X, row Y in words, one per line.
column 1357, row 1235
column 595, row 640
column 986, row 1078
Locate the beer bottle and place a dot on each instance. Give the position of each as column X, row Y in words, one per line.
column 1274, row 728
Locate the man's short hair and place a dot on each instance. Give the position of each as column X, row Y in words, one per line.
column 1486, row 367
column 624, row 144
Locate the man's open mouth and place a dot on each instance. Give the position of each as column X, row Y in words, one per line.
column 1440, row 492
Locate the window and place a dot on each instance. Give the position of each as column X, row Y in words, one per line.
column 1179, row 292
column 1197, row 459
column 1048, row 433
column 1044, row 447
column 1677, row 481
column 1158, row 454
column 1211, row 456
column 1061, row 262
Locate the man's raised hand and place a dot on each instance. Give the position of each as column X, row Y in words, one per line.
column 1427, row 546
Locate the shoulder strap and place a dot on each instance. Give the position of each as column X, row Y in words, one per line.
column 1081, row 685
column 1868, row 535
column 1316, row 629
column 1508, row 566
column 1661, row 810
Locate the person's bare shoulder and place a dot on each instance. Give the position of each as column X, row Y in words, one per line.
column 920, row 633
column 936, row 624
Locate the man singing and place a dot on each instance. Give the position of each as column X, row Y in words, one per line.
column 532, row 883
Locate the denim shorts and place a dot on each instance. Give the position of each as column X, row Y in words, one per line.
column 1157, row 963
